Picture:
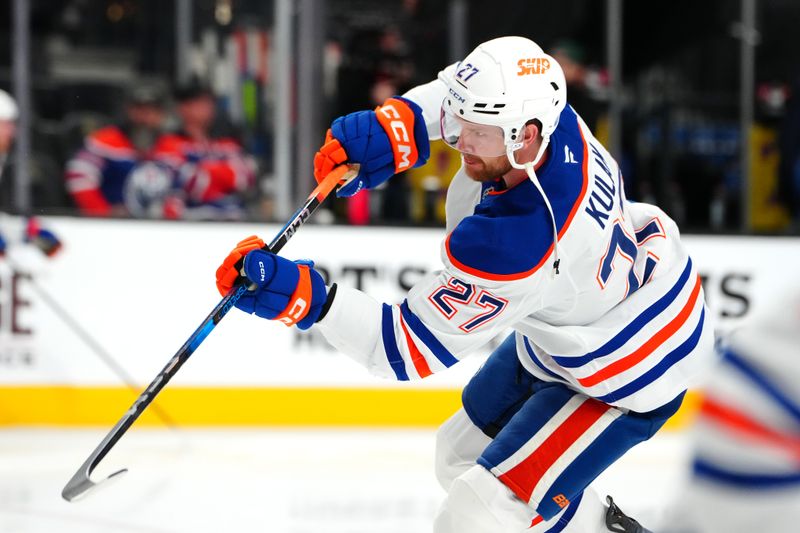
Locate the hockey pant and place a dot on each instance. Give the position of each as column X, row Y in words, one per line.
column 522, row 452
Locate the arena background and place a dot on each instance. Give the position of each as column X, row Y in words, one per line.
column 268, row 428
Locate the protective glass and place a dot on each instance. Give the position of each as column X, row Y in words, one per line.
column 470, row 138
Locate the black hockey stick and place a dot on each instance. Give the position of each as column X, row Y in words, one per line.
column 81, row 482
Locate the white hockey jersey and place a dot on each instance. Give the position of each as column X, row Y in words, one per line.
column 624, row 320
column 746, row 452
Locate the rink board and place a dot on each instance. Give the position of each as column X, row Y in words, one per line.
column 139, row 288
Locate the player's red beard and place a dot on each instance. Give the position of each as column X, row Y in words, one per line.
column 486, row 168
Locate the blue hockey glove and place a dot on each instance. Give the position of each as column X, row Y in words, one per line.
column 291, row 292
column 386, row 141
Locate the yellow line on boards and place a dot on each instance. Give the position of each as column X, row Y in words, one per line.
column 217, row 406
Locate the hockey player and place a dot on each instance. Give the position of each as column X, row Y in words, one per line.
column 97, row 175
column 746, row 452
column 42, row 238
column 607, row 308
column 212, row 172
column 8, row 128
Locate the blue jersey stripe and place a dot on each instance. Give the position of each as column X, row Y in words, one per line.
column 390, row 344
column 631, row 329
column 425, row 335
column 744, row 480
column 538, row 363
column 758, row 378
column 659, row 369
column 564, row 520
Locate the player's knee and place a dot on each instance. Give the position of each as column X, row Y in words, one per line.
column 477, row 502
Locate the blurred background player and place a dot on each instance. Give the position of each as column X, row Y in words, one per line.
column 97, row 175
column 746, row 454
column 607, row 307
column 212, row 173
column 8, row 126
column 34, row 233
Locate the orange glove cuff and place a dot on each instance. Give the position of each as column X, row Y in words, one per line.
column 300, row 302
column 397, row 120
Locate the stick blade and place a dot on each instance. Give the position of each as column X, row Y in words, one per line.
column 80, row 484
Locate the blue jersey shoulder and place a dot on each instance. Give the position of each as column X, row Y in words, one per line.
column 510, row 233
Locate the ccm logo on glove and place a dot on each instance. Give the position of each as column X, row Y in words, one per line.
column 291, row 292
column 400, row 133
column 388, row 140
column 263, row 270
column 396, row 116
column 295, row 313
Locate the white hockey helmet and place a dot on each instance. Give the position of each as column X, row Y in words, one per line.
column 8, row 107
column 495, row 91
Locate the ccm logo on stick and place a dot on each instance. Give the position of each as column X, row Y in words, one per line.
column 400, row 133
column 533, row 65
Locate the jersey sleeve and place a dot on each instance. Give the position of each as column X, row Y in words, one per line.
column 84, row 173
column 213, row 178
column 429, row 97
column 446, row 316
column 83, row 176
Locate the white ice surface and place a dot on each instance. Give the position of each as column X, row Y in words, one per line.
column 276, row 481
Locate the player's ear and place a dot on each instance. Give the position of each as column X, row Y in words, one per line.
column 531, row 132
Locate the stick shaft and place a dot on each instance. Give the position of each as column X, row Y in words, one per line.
column 79, row 482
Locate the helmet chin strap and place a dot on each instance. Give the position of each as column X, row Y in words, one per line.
column 529, row 168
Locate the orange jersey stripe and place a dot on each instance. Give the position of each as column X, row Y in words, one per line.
column 739, row 422
column 416, row 356
column 617, row 367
